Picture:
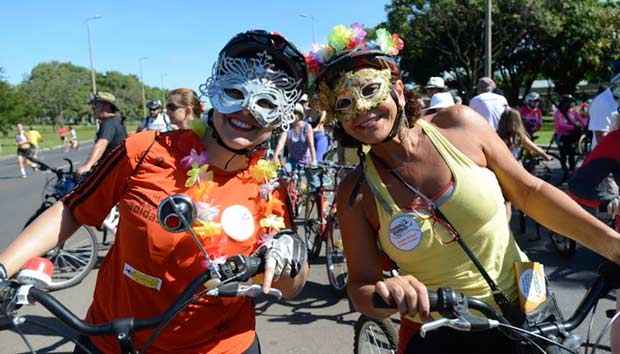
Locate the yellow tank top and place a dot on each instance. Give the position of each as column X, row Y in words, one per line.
column 477, row 212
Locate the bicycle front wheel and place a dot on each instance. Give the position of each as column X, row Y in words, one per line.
column 374, row 336
column 334, row 259
column 74, row 259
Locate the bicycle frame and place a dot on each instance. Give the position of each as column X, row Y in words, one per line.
column 233, row 272
column 455, row 307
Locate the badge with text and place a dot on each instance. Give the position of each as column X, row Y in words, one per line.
column 405, row 232
column 238, row 222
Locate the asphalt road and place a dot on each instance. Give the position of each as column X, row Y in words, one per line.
column 315, row 322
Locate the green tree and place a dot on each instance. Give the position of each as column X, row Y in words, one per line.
column 12, row 107
column 581, row 40
column 57, row 90
column 566, row 41
column 448, row 36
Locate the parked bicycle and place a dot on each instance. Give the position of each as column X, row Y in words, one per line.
column 77, row 256
column 321, row 223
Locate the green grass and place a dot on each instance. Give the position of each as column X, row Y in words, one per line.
column 50, row 137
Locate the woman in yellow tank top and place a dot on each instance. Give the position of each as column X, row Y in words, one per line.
column 422, row 178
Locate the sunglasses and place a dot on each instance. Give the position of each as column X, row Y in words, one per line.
column 425, row 210
column 172, row 107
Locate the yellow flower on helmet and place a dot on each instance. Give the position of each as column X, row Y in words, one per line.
column 272, row 222
column 264, row 170
column 207, row 229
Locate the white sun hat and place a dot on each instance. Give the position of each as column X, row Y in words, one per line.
column 440, row 100
column 436, row 82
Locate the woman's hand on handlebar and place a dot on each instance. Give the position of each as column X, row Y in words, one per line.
column 407, row 294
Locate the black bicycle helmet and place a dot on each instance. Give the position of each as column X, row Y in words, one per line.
column 284, row 54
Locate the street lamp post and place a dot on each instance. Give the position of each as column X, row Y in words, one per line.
column 164, row 91
column 90, row 53
column 312, row 19
column 142, row 81
column 488, row 57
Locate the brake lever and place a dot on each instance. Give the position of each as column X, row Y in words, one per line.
column 235, row 289
column 465, row 323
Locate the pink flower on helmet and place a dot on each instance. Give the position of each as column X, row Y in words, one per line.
column 359, row 35
column 397, row 41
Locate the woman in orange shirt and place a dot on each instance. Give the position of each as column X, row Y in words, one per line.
column 254, row 87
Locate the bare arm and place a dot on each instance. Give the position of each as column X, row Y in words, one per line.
column 55, row 225
column 361, row 252
column 543, row 202
column 365, row 262
column 532, row 148
column 95, row 155
column 310, row 137
column 279, row 148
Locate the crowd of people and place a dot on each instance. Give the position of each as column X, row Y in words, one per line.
column 434, row 172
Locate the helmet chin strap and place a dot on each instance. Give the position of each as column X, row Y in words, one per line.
column 400, row 113
column 248, row 152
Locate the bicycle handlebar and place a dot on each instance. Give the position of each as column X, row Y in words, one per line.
column 235, row 270
column 455, row 307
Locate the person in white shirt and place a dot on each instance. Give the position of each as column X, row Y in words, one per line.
column 434, row 85
column 156, row 120
column 604, row 111
column 490, row 105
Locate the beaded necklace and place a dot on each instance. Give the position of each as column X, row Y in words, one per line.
column 200, row 183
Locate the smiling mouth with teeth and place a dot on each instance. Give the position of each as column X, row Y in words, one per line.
column 239, row 124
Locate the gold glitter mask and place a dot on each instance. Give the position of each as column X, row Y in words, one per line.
column 360, row 91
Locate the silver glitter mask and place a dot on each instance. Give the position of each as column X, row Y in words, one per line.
column 253, row 84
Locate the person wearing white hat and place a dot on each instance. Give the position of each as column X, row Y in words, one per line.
column 439, row 101
column 603, row 110
column 489, row 104
column 435, row 84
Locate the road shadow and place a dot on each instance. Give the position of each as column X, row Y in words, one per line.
column 42, row 326
column 303, row 308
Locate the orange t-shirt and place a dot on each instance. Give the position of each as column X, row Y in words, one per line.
column 147, row 268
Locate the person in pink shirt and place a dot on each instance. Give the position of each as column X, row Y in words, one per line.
column 569, row 125
column 531, row 113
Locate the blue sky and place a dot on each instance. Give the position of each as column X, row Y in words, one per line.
column 180, row 38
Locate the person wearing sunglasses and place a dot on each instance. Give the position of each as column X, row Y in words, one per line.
column 183, row 107
column 157, row 119
column 425, row 191
column 254, row 87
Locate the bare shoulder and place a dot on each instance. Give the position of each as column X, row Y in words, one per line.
column 460, row 116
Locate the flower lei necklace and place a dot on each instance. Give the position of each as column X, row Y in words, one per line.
column 200, row 183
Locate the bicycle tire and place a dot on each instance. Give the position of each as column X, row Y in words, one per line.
column 374, row 336
column 312, row 229
column 78, row 252
column 335, row 261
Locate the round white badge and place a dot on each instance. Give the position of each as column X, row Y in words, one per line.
column 238, row 222
column 405, row 232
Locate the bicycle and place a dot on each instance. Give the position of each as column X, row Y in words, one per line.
column 374, row 336
column 76, row 256
column 551, row 334
column 321, row 224
column 229, row 277
column 176, row 213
